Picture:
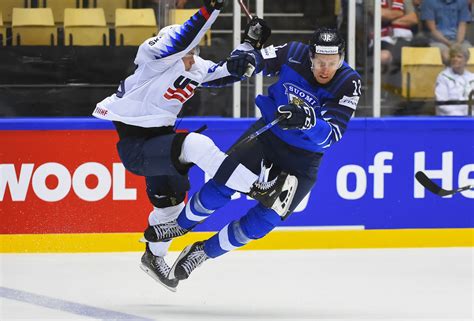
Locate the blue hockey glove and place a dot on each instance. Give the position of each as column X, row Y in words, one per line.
column 241, row 63
column 297, row 117
column 257, row 32
column 214, row 4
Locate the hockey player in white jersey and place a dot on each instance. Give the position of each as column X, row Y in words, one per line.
column 144, row 111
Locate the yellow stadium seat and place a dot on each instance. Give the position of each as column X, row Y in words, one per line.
column 110, row 6
column 6, row 7
column 33, row 27
column 179, row 16
column 58, row 7
column 470, row 63
column 133, row 26
column 3, row 35
column 420, row 68
column 85, row 27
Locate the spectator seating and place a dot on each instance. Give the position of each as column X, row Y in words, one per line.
column 133, row 26
column 179, row 16
column 58, row 7
column 33, row 27
column 420, row 67
column 2, row 31
column 85, row 27
column 470, row 63
column 109, row 7
column 6, row 7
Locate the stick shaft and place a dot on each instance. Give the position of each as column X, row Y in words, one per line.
column 246, row 10
column 257, row 133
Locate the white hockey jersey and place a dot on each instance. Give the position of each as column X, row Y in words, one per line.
column 155, row 93
column 452, row 86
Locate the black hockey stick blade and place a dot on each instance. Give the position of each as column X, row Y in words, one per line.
column 435, row 189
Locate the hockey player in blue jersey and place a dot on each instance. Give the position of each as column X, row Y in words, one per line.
column 318, row 92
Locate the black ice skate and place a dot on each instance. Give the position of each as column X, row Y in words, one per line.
column 192, row 256
column 156, row 267
column 276, row 194
column 163, row 232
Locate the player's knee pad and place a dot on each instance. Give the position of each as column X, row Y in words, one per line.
column 165, row 191
column 259, row 221
column 162, row 201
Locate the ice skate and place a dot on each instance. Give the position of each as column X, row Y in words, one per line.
column 190, row 258
column 156, row 267
column 163, row 232
column 276, row 194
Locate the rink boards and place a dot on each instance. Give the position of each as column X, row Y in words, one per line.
column 63, row 188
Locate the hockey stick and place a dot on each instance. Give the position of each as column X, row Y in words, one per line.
column 257, row 133
column 247, row 12
column 435, row 189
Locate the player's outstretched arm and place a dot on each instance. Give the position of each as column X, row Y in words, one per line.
column 178, row 40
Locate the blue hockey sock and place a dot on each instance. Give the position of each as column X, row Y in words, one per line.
column 257, row 223
column 209, row 198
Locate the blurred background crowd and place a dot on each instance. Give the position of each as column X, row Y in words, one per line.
column 60, row 57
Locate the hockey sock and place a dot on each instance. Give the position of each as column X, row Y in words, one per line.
column 257, row 223
column 209, row 198
column 202, row 151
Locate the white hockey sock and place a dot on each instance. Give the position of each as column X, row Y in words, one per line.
column 202, row 151
column 163, row 215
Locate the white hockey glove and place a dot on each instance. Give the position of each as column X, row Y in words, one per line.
column 298, row 117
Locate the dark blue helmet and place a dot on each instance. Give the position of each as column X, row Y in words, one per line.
column 327, row 41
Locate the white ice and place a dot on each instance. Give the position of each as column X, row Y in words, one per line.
column 382, row 284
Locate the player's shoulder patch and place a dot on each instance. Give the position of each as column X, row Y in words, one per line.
column 350, row 102
column 268, row 52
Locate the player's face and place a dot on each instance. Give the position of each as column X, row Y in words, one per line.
column 188, row 61
column 325, row 67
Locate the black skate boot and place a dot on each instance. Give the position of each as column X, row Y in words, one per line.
column 163, row 232
column 156, row 267
column 192, row 256
column 276, row 194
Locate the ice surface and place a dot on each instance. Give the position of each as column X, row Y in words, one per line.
column 395, row 284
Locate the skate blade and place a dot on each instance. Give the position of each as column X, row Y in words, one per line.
column 157, row 279
column 284, row 205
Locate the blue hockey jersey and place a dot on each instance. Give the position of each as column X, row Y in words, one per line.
column 334, row 102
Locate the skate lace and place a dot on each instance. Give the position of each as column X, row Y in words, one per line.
column 194, row 259
column 265, row 185
column 170, row 229
column 160, row 264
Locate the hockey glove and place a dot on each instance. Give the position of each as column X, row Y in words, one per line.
column 214, row 4
column 298, row 117
column 257, row 32
column 241, row 63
